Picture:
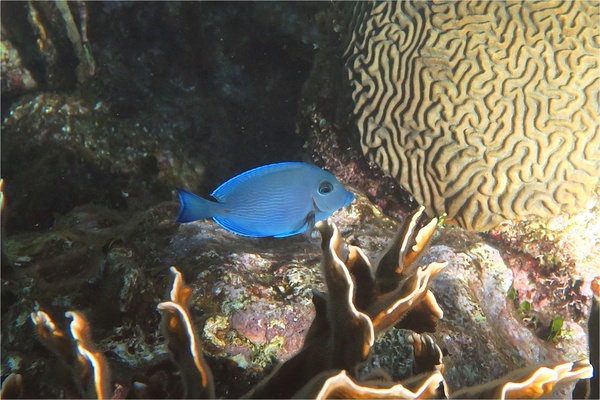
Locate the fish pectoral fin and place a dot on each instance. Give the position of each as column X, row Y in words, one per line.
column 308, row 226
column 310, row 221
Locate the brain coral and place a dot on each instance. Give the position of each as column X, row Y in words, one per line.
column 485, row 110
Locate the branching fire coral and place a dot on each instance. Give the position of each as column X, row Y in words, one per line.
column 91, row 372
column 361, row 301
column 183, row 342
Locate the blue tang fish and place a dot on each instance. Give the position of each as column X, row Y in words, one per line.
column 277, row 200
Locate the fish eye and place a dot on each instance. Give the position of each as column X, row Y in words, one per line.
column 325, row 187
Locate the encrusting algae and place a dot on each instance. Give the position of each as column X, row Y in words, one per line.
column 361, row 301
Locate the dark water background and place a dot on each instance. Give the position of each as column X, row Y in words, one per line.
column 215, row 84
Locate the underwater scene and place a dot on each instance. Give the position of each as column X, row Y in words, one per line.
column 300, row 199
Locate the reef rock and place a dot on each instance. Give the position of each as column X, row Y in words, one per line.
column 16, row 78
column 481, row 323
column 250, row 300
column 76, row 152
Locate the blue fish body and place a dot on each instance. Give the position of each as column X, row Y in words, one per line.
column 277, row 200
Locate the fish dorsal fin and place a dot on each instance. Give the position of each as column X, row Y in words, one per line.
column 222, row 192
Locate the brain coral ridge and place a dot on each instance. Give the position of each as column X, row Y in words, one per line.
column 485, row 111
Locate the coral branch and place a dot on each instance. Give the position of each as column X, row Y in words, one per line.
column 80, row 331
column 183, row 342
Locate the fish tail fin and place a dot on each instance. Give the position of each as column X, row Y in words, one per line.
column 194, row 208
